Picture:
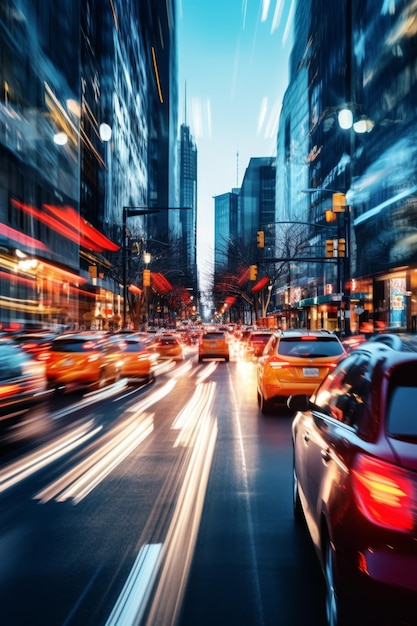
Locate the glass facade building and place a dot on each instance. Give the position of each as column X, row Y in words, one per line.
column 362, row 57
column 88, row 125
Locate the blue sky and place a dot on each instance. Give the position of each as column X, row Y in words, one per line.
column 233, row 67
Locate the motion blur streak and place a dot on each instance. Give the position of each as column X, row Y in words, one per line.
column 182, row 534
column 32, row 463
column 246, row 492
column 137, row 587
column 83, row 478
column 182, row 369
column 155, row 396
column 208, row 371
column 186, row 419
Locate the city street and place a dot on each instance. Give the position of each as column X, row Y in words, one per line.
column 166, row 504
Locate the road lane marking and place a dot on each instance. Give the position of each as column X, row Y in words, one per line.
column 132, row 600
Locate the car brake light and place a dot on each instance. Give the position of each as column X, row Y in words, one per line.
column 8, row 390
column 386, row 495
column 277, row 363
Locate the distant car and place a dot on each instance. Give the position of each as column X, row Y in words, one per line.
column 22, row 380
column 213, row 344
column 36, row 344
column 139, row 358
column 169, row 347
column 83, row 359
column 255, row 343
column 355, row 483
column 295, row 361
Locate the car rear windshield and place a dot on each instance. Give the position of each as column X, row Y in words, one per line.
column 213, row 336
column 310, row 346
column 168, row 341
column 73, row 345
column 260, row 338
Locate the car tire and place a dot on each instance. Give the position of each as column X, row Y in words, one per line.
column 226, row 358
column 296, row 502
column 265, row 405
column 331, row 599
column 200, row 359
column 100, row 382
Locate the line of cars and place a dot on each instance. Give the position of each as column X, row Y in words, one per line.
column 33, row 363
column 354, row 436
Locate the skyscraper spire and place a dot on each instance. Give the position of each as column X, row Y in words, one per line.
column 185, row 103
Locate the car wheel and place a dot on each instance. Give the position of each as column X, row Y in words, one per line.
column 226, row 359
column 100, row 383
column 259, row 399
column 296, row 503
column 200, row 359
column 332, row 605
column 265, row 405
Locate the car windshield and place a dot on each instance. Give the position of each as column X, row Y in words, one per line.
column 310, row 346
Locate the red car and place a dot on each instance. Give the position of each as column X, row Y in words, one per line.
column 355, row 483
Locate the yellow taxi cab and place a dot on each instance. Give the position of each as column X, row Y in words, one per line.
column 139, row 357
column 213, row 344
column 295, row 362
column 83, row 359
column 169, row 347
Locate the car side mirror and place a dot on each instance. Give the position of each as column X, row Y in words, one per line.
column 299, row 402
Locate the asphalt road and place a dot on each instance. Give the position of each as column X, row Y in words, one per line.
column 166, row 504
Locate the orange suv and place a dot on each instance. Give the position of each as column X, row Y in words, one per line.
column 294, row 362
column 213, row 344
column 83, row 359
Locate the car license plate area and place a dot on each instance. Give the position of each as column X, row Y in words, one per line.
column 311, row 372
column 212, row 344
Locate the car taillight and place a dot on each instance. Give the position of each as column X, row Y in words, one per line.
column 277, row 363
column 386, row 495
column 8, row 390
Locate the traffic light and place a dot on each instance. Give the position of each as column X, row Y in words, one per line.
column 339, row 202
column 260, row 239
column 341, row 247
column 253, row 272
column 330, row 248
column 330, row 216
column 146, row 278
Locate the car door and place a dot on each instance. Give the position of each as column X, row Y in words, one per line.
column 332, row 438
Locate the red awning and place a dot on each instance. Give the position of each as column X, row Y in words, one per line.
column 160, row 284
column 261, row 284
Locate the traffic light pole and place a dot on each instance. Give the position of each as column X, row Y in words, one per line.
column 134, row 211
